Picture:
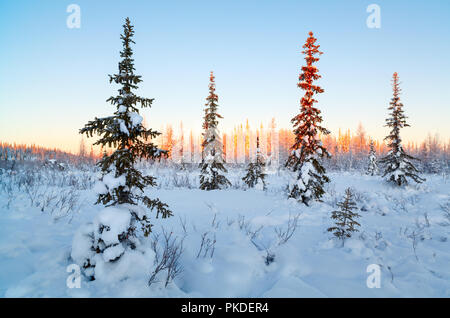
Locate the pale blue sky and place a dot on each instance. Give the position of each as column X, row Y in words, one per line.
column 54, row 79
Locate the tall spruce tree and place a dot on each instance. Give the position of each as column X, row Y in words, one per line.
column 255, row 171
column 345, row 224
column 124, row 131
column 372, row 168
column 398, row 167
column 212, row 166
column 308, row 149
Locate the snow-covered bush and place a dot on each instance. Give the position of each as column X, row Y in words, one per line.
column 308, row 184
column 113, row 233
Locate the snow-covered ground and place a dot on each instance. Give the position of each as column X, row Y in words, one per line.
column 247, row 251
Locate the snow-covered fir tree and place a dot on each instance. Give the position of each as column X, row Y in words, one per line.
column 121, row 186
column 212, row 166
column 345, row 223
column 372, row 168
column 308, row 149
column 255, row 171
column 397, row 163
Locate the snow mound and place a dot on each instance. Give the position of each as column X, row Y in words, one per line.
column 110, row 223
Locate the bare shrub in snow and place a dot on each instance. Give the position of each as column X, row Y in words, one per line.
column 237, row 185
column 168, row 251
column 230, row 222
column 67, row 203
column 284, row 234
column 359, row 196
column 253, row 233
column 183, row 225
column 246, row 226
column 403, row 204
column 415, row 236
column 380, row 242
column 7, row 186
column 427, row 221
column 28, row 184
column 45, row 188
column 182, row 181
column 242, row 223
column 445, row 207
column 207, row 245
column 215, row 224
column 331, row 196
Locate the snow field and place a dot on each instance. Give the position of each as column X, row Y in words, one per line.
column 243, row 254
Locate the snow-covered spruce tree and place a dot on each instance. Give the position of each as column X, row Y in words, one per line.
column 345, row 223
column 372, row 168
column 397, row 163
column 255, row 171
column 212, row 154
column 121, row 186
column 308, row 149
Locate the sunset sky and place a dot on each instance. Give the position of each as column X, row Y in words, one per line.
column 54, row 79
